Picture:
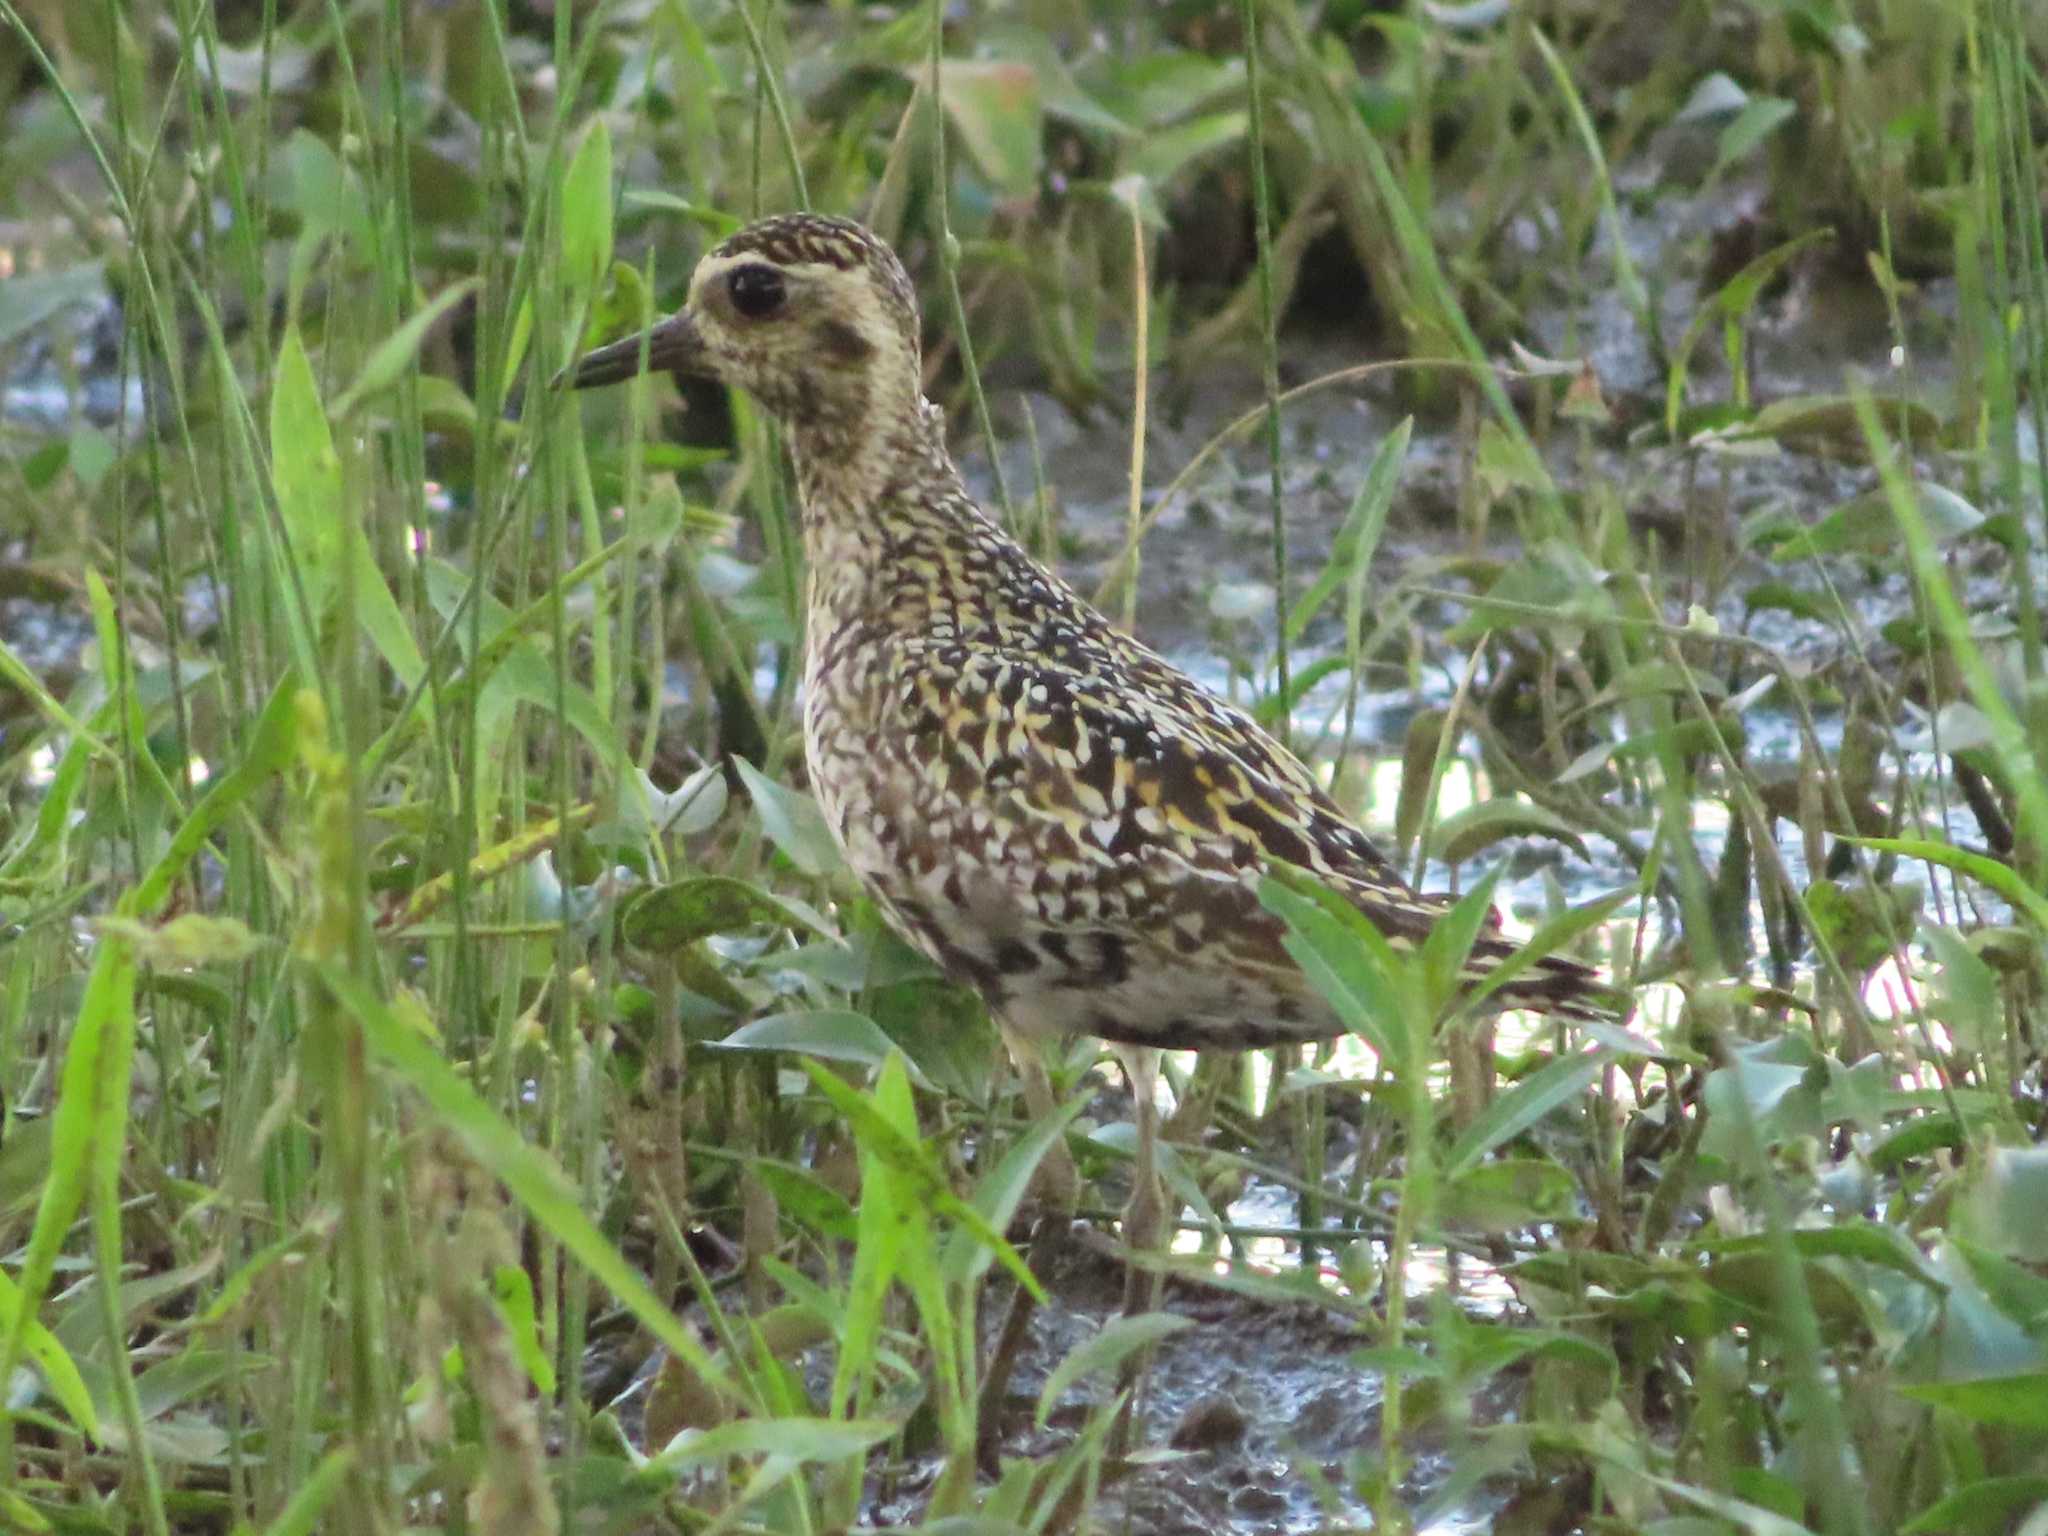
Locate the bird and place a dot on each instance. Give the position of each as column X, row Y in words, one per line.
column 1053, row 813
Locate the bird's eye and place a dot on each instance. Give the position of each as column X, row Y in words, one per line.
column 757, row 291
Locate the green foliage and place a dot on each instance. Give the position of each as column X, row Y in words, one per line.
column 426, row 985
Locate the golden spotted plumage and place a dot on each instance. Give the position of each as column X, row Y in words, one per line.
column 1052, row 812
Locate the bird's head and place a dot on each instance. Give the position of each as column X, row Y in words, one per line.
column 813, row 316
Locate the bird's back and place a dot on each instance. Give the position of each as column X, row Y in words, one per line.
column 1057, row 815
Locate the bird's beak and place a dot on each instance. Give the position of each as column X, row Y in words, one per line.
column 673, row 346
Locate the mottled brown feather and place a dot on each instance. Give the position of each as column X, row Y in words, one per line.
column 1055, row 814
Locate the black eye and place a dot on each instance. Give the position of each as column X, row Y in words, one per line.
column 757, row 291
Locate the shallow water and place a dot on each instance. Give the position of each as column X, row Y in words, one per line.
column 1268, row 1402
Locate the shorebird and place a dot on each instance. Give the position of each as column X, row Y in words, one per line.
column 1054, row 814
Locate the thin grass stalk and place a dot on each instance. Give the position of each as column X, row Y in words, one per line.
column 949, row 259
column 769, row 83
column 1239, row 426
column 337, row 936
column 116, row 1025
column 2012, row 197
column 1626, row 277
column 1269, row 358
column 496, row 499
column 2009, row 738
column 2026, row 291
column 1440, row 760
column 118, row 1053
column 1043, row 537
column 578, row 1139
column 1134, row 513
column 1425, row 270
column 554, row 456
column 199, row 23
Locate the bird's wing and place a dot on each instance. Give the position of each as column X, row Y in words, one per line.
column 1042, row 824
column 1051, row 829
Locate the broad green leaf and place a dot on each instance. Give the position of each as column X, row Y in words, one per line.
column 1350, row 963
column 1988, row 1504
column 326, row 196
column 59, row 1372
column 1182, row 1188
column 895, row 1167
column 808, row 1200
column 512, row 1295
column 1813, row 606
column 1761, row 1088
column 1154, row 88
column 1450, row 941
column 1001, row 1190
column 388, row 359
column 1686, row 738
column 1549, row 1087
column 1120, row 1338
column 272, row 746
column 1714, row 96
column 1867, row 525
column 907, row 1156
column 17, row 674
column 1476, row 828
column 1506, row 1195
column 1969, row 1001
column 1731, row 301
column 1162, row 155
column 1422, row 744
column 1867, row 1242
column 1832, row 419
column 1554, row 584
column 306, row 472
column 673, row 916
column 1064, row 97
column 2010, row 1402
column 302, row 1514
column 830, row 1034
column 1751, row 1519
column 2011, row 1287
column 801, row 1440
column 87, row 1137
column 792, row 821
column 1358, row 540
column 2012, row 1203
column 91, row 454
column 1861, row 924
column 996, row 108
column 1655, row 677
column 1756, row 121
column 1507, row 462
column 587, row 211
column 2001, row 878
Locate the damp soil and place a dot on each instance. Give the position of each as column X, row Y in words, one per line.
column 1264, row 1411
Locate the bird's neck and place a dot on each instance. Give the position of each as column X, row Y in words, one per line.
column 871, row 488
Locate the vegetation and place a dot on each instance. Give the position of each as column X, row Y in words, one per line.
column 425, row 991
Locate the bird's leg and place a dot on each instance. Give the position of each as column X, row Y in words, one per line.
column 1191, row 1110
column 1144, row 1221
column 1144, row 1216
column 1056, row 1184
